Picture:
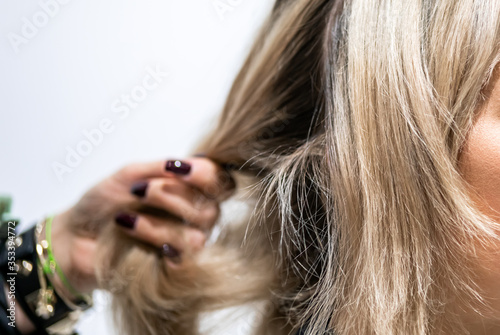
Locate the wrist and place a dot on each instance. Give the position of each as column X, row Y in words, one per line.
column 37, row 291
column 72, row 256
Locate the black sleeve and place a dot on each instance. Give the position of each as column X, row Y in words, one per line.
column 24, row 283
column 5, row 328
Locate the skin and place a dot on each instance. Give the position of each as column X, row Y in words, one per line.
column 193, row 199
column 480, row 167
column 480, row 161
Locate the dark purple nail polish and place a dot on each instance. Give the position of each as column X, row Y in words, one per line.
column 178, row 167
column 126, row 220
column 139, row 189
column 168, row 251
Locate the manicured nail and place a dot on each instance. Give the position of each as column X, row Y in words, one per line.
column 178, row 167
column 126, row 220
column 168, row 251
column 139, row 189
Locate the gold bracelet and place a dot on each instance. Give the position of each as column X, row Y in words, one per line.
column 47, row 298
column 52, row 270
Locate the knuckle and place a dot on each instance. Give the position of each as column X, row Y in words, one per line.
column 193, row 215
column 211, row 189
column 212, row 213
column 207, row 216
column 219, row 184
column 197, row 239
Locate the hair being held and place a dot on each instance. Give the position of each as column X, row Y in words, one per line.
column 346, row 124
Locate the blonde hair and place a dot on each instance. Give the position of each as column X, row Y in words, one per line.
column 347, row 119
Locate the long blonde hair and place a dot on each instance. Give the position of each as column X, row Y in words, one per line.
column 346, row 121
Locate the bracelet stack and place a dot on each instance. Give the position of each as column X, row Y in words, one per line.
column 53, row 309
column 48, row 266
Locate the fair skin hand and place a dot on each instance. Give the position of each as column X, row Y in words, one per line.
column 189, row 193
column 480, row 167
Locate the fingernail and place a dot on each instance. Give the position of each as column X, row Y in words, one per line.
column 126, row 220
column 178, row 167
column 139, row 189
column 168, row 251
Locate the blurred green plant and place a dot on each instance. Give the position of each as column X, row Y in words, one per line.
column 5, row 216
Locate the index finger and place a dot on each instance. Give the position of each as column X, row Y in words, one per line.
column 204, row 174
column 140, row 171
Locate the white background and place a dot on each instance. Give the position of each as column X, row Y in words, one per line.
column 64, row 77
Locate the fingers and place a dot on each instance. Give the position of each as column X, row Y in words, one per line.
column 179, row 199
column 142, row 171
column 189, row 190
column 210, row 178
column 202, row 173
column 158, row 232
column 183, row 201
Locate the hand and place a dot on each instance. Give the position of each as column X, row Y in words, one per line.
column 137, row 198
